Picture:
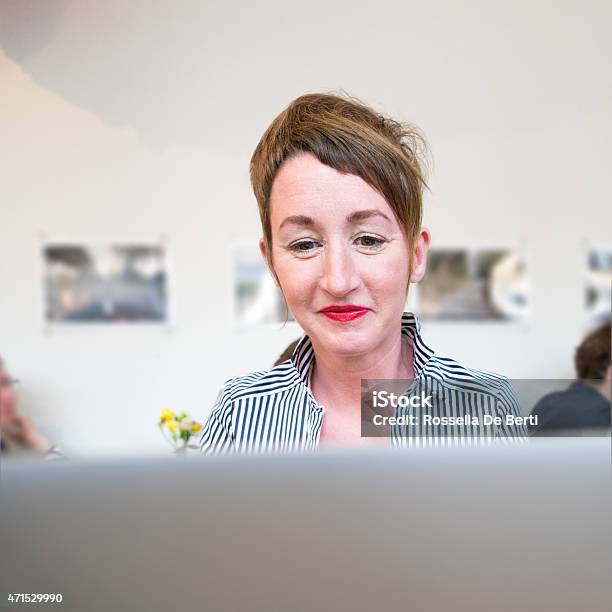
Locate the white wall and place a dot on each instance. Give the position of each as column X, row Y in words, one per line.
column 131, row 120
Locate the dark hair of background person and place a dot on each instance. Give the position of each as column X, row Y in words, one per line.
column 345, row 134
column 592, row 358
column 286, row 354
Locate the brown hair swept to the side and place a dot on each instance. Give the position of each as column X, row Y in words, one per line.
column 350, row 137
column 592, row 357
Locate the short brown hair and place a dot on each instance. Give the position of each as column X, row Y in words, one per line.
column 345, row 134
column 592, row 357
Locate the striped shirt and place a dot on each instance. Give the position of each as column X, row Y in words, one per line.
column 274, row 411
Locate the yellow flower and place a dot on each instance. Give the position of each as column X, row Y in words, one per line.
column 166, row 415
column 195, row 427
column 171, row 425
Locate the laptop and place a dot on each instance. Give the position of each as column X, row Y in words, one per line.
column 508, row 528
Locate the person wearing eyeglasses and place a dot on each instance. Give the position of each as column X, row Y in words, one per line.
column 18, row 433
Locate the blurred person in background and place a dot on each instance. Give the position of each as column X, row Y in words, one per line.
column 18, row 434
column 339, row 189
column 583, row 408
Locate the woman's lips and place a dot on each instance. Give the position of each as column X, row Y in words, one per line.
column 344, row 315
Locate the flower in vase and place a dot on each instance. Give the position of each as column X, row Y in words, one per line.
column 172, row 425
column 166, row 415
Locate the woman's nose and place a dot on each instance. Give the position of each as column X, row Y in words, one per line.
column 339, row 275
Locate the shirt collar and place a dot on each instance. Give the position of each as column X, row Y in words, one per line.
column 303, row 353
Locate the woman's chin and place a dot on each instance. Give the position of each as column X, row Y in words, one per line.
column 346, row 345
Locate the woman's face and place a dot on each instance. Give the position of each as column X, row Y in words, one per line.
column 337, row 244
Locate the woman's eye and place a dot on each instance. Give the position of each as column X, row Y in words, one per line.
column 305, row 246
column 370, row 242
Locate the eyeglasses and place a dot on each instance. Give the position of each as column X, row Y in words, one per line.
column 9, row 383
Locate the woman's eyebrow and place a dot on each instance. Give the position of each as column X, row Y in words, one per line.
column 298, row 220
column 358, row 215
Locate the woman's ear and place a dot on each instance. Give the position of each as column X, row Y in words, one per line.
column 419, row 255
column 263, row 248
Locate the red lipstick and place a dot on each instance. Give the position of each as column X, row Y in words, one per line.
column 344, row 314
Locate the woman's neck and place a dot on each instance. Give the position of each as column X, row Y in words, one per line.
column 338, row 378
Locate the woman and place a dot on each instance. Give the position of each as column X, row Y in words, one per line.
column 17, row 432
column 339, row 189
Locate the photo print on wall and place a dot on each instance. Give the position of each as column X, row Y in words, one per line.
column 467, row 284
column 257, row 299
column 598, row 285
column 105, row 283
